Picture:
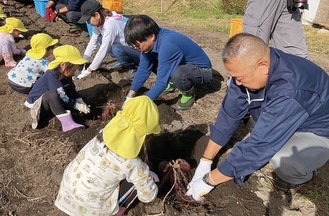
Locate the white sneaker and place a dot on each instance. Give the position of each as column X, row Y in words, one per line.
column 28, row 105
column 113, row 66
column 131, row 74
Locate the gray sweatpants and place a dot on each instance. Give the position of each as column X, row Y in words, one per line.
column 300, row 156
column 271, row 20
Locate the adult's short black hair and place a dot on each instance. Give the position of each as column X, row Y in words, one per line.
column 140, row 28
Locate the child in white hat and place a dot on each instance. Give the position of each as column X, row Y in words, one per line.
column 54, row 92
column 22, row 77
column 90, row 184
column 13, row 28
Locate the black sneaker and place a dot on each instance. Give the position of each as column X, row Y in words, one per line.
column 171, row 88
column 287, row 187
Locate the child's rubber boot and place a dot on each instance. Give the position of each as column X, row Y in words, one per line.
column 171, row 88
column 67, row 121
column 48, row 14
column 187, row 100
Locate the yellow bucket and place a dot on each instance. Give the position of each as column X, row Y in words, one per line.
column 235, row 26
column 113, row 5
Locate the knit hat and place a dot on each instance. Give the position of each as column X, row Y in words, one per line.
column 88, row 8
column 66, row 53
column 11, row 24
column 39, row 44
column 126, row 132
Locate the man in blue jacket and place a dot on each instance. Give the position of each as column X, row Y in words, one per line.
column 288, row 97
column 177, row 61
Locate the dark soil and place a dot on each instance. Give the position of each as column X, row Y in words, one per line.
column 32, row 161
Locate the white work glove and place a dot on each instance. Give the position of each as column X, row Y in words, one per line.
column 82, row 108
column 79, row 100
column 85, row 72
column 127, row 99
column 203, row 168
column 23, row 51
column 198, row 189
column 154, row 176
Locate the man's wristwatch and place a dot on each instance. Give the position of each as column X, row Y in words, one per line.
column 205, row 179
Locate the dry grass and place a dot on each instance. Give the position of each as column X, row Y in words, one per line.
column 316, row 41
column 209, row 16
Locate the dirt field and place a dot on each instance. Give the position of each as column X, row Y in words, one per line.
column 32, row 161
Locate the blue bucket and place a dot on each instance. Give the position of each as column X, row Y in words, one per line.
column 40, row 7
column 90, row 29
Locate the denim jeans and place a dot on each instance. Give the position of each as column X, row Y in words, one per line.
column 126, row 56
column 187, row 76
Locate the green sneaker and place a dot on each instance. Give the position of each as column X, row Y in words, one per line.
column 187, row 100
column 171, row 88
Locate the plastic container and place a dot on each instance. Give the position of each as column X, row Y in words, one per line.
column 40, row 7
column 90, row 29
column 113, row 5
column 235, row 26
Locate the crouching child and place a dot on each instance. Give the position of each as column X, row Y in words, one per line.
column 54, row 92
column 91, row 182
column 22, row 77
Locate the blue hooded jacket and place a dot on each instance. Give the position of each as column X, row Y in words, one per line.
column 295, row 98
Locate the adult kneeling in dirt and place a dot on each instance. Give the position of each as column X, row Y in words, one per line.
column 109, row 31
column 91, row 182
column 288, row 97
column 54, row 91
column 67, row 10
column 178, row 62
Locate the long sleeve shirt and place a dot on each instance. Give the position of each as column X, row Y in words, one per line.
column 50, row 81
column 8, row 45
column 170, row 50
column 295, row 98
column 112, row 32
column 90, row 184
column 27, row 71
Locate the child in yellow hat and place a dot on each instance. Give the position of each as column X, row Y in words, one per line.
column 91, row 182
column 13, row 28
column 54, row 91
column 22, row 77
